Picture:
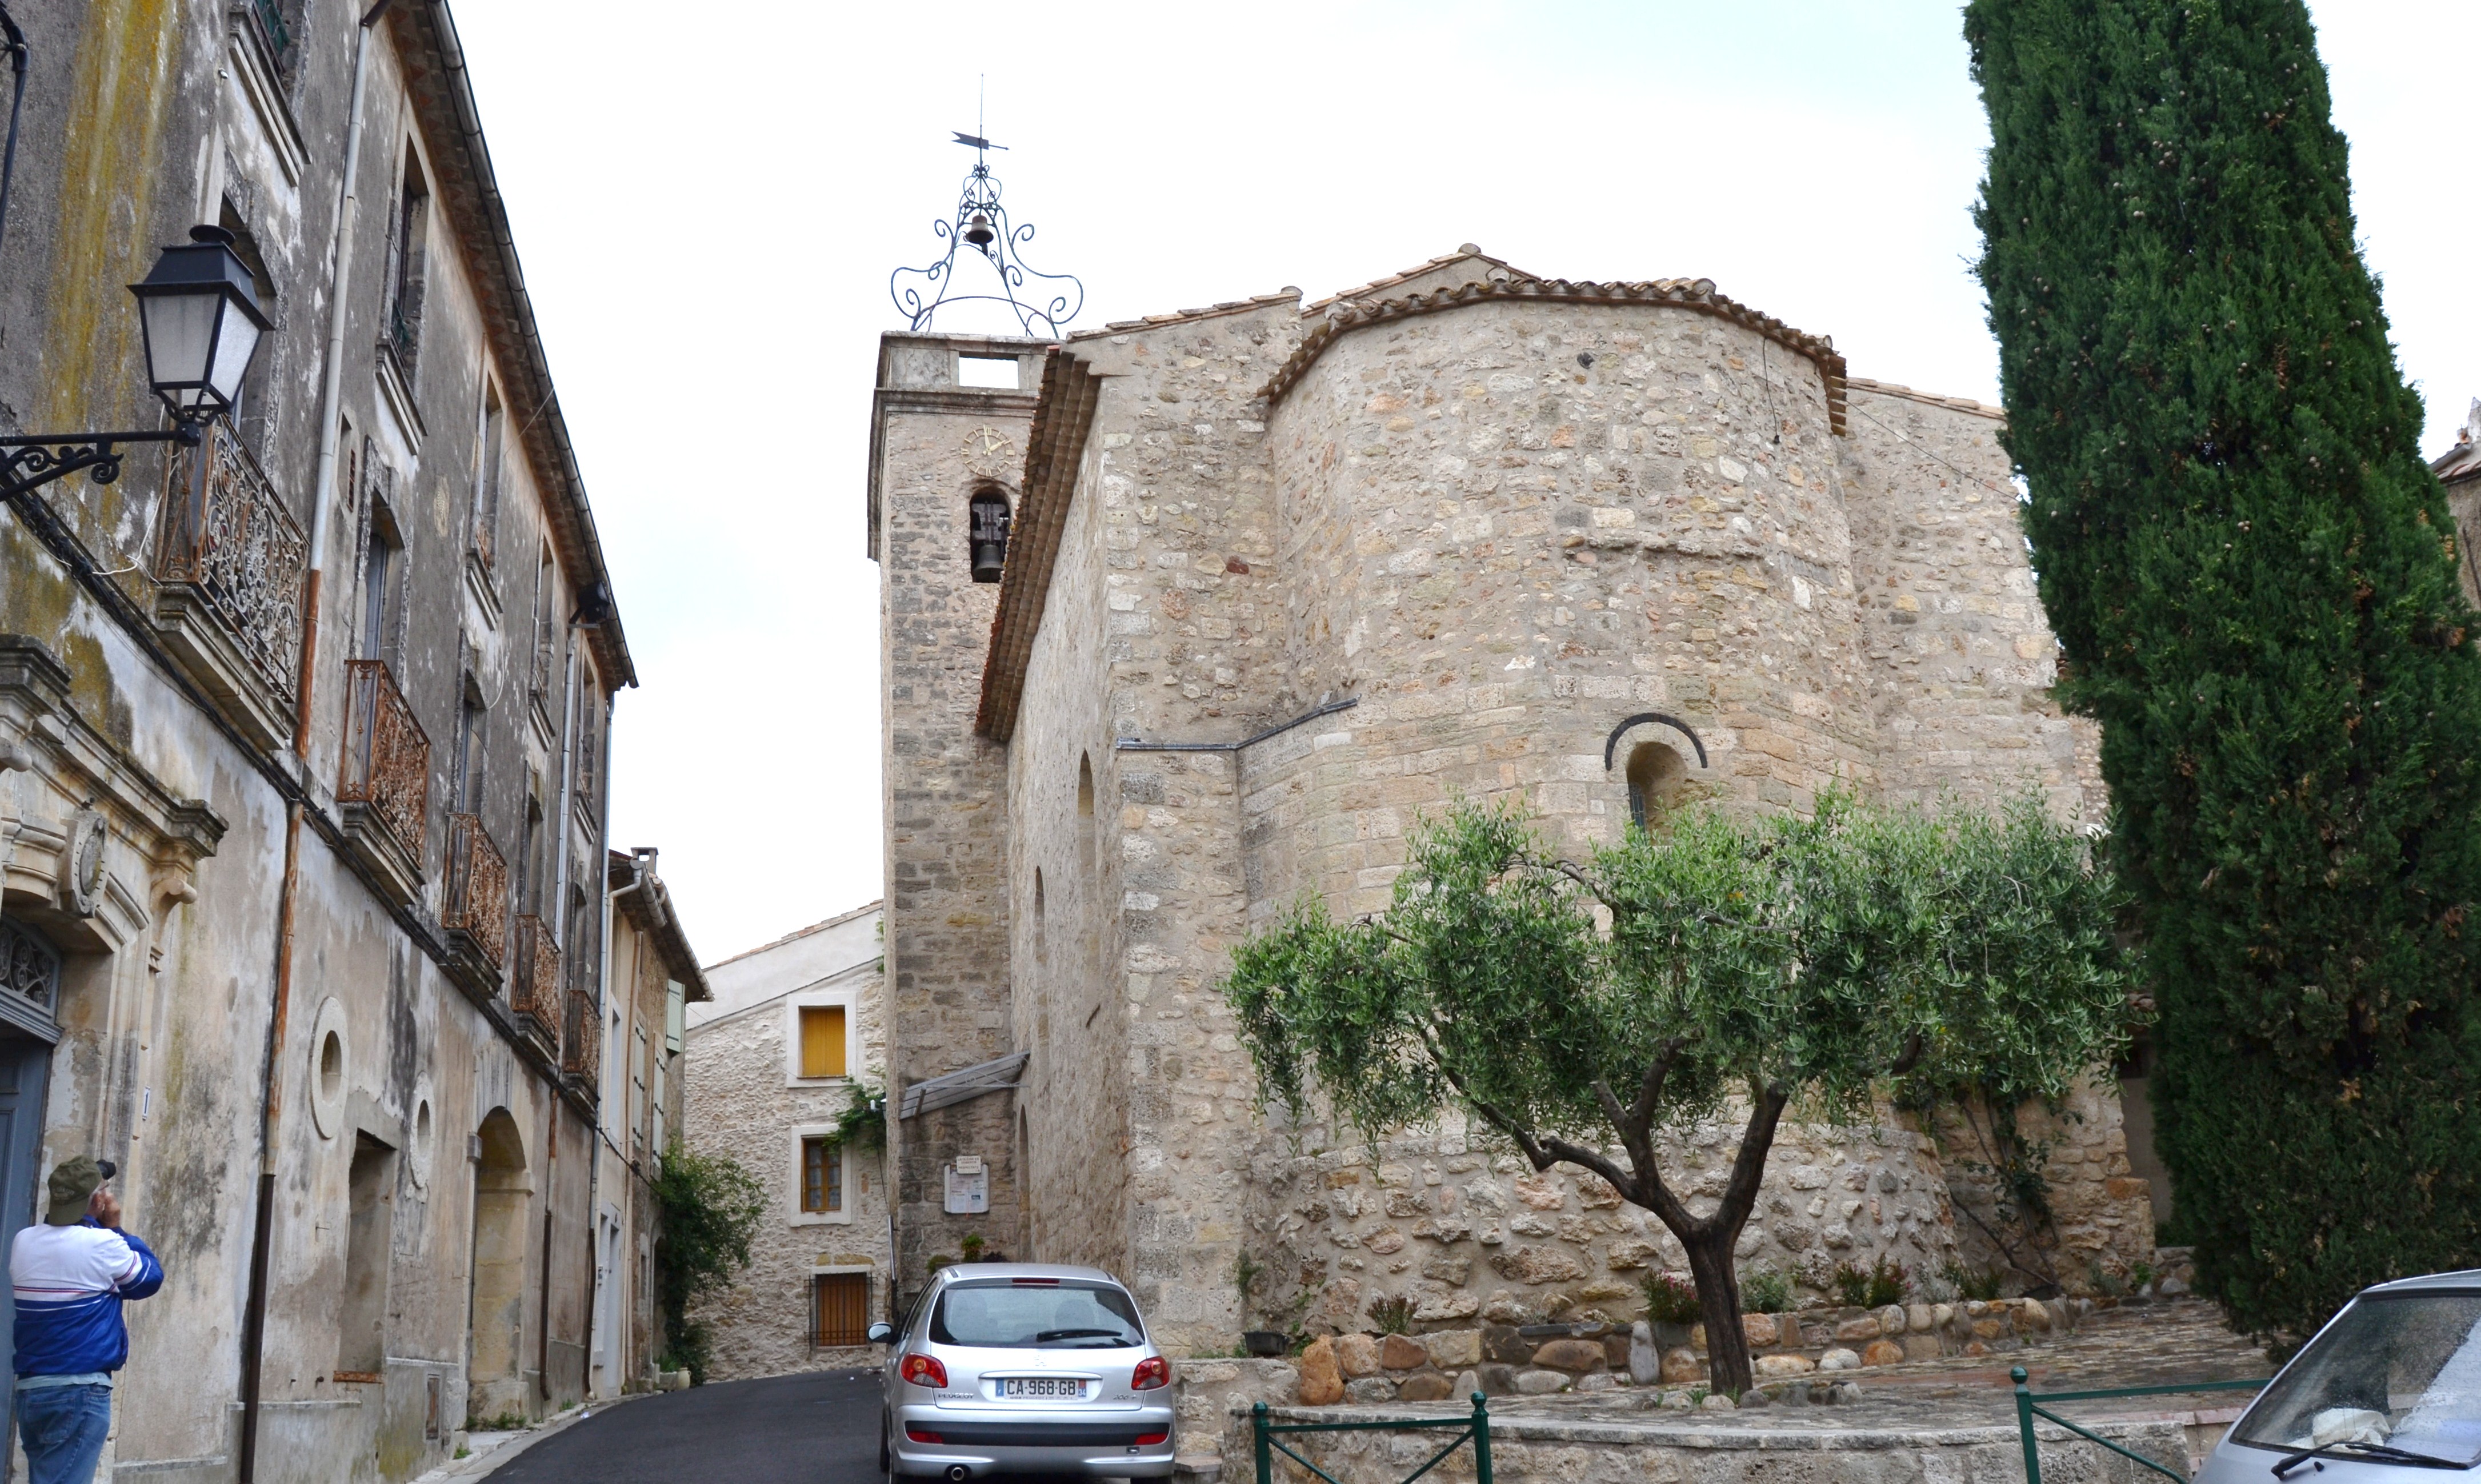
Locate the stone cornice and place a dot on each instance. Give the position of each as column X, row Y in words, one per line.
column 1931, row 399
column 1054, row 451
column 1696, row 295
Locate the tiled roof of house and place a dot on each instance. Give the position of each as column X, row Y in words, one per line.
column 1896, row 389
column 2463, row 461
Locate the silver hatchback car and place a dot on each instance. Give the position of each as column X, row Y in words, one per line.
column 2390, row 1392
column 1022, row 1367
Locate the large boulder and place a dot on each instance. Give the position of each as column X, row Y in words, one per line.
column 1322, row 1379
column 1357, row 1355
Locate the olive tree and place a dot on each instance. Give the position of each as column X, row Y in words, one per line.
column 1721, row 966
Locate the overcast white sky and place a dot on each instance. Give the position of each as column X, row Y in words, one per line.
column 709, row 199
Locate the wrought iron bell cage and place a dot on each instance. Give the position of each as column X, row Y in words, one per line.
column 1042, row 303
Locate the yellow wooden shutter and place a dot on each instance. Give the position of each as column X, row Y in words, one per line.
column 822, row 1040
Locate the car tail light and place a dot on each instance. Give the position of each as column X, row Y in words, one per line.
column 1152, row 1372
column 923, row 1370
column 1148, row 1439
column 921, row 1435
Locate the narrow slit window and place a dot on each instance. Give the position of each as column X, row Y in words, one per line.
column 822, row 1040
column 822, row 1176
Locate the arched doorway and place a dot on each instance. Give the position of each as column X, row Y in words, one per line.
column 30, row 988
column 495, row 1383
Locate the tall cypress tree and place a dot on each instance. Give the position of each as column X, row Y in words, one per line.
column 2250, row 571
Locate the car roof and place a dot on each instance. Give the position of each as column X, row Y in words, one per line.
column 957, row 1272
column 2467, row 1279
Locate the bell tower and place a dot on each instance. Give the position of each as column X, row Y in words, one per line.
column 948, row 425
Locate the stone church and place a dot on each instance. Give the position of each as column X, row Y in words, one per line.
column 1188, row 616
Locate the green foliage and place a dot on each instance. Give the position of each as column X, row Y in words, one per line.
column 972, row 1244
column 2251, row 573
column 863, row 1124
column 1762, row 960
column 1766, row 1291
column 1972, row 1282
column 707, row 1208
column 1393, row 1314
column 1669, row 1299
column 1875, row 1287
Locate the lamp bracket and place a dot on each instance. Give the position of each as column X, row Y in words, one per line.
column 29, row 463
column 1055, row 298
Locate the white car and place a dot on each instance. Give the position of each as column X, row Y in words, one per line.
column 2389, row 1391
column 1018, row 1367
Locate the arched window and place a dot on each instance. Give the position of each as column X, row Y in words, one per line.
column 1086, row 815
column 989, row 534
column 1654, row 775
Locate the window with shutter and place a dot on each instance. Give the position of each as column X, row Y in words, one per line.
column 822, row 1040
column 840, row 1305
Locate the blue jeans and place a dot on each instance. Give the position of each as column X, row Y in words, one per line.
column 63, row 1428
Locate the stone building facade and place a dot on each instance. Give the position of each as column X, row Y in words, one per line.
column 303, row 751
column 819, row 1269
column 1281, row 579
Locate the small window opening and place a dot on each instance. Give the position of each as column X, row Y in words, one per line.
column 470, row 716
column 1085, row 825
column 485, row 517
column 822, row 1040
column 989, row 372
column 1654, row 773
column 822, row 1175
column 381, row 554
column 990, row 534
column 331, row 1067
column 254, row 410
column 407, row 238
column 361, row 1339
column 1041, row 952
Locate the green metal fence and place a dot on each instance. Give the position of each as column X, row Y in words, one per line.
column 2027, row 1408
column 1476, row 1431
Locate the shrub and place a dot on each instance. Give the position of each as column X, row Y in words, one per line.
column 1393, row 1314
column 1875, row 1287
column 1765, row 1291
column 1971, row 1283
column 1670, row 1299
column 707, row 1208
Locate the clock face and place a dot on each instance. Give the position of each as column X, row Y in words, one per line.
column 992, row 453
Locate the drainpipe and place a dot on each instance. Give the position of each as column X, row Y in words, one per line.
column 16, row 41
column 254, row 1344
column 595, row 1170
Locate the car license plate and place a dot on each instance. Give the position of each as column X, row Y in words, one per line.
column 1042, row 1386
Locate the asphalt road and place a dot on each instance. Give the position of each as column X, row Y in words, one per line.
column 820, row 1428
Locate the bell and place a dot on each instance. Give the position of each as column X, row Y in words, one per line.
column 988, row 559
column 978, row 230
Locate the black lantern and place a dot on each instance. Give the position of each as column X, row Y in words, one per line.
column 199, row 308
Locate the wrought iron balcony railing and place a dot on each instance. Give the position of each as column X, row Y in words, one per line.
column 580, row 1040
column 228, row 551
column 387, row 755
column 478, row 890
column 534, row 981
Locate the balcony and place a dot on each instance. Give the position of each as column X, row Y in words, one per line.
column 229, row 560
column 533, row 983
column 476, row 913
column 581, row 1043
column 386, row 783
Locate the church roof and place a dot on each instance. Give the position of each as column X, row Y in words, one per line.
column 1692, row 294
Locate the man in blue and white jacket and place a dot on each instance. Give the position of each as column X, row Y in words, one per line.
column 70, row 1272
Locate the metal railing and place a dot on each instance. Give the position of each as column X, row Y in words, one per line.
column 534, row 981
column 387, row 755
column 2028, row 1407
column 478, row 888
column 580, row 1040
column 227, row 535
column 1476, row 1431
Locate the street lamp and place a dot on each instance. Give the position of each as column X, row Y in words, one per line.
column 198, row 310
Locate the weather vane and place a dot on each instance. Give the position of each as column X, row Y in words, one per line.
column 981, row 223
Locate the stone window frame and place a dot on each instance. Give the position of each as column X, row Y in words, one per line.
column 850, row 1000
column 793, row 1214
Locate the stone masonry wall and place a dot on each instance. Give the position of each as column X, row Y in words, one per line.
column 1467, row 1232
column 948, row 985
column 739, row 1101
column 1161, row 624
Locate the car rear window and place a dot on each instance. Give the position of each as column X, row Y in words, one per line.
column 1022, row 1315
